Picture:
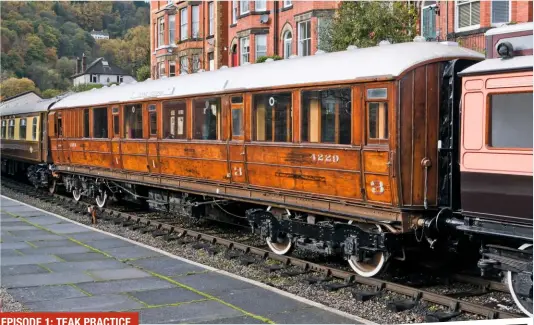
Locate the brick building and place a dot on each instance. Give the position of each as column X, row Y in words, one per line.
column 466, row 21
column 283, row 28
column 187, row 36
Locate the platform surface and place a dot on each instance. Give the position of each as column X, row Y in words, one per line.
column 51, row 264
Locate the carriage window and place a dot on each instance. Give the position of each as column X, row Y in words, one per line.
column 174, row 124
column 59, row 126
column 116, row 125
column 272, row 117
column 237, row 122
column 34, row 129
column 133, row 122
column 22, row 129
column 377, row 117
column 3, row 135
column 11, row 129
column 326, row 116
column 153, row 118
column 377, row 93
column 100, row 122
column 511, row 120
column 86, row 123
column 207, row 119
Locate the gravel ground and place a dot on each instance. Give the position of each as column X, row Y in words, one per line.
column 374, row 310
column 8, row 303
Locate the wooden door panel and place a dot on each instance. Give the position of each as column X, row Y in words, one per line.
column 192, row 150
column 202, row 169
column 378, row 188
column 315, row 181
column 376, row 162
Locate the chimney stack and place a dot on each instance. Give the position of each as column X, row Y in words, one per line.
column 78, row 64
column 84, row 64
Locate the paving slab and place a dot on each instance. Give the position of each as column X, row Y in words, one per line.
column 117, row 286
column 213, row 283
column 20, row 260
column 56, row 250
column 129, row 252
column 91, row 256
column 14, row 245
column 31, row 294
column 85, row 265
column 108, row 243
column 32, row 280
column 118, row 274
column 62, row 271
column 54, row 243
column 166, row 296
column 66, row 228
column 22, row 269
column 166, row 266
column 186, row 313
column 95, row 303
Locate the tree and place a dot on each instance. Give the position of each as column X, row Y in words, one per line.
column 13, row 86
column 143, row 73
column 366, row 23
column 49, row 93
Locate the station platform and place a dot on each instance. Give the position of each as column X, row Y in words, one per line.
column 50, row 263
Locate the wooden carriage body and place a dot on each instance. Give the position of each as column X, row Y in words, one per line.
column 340, row 134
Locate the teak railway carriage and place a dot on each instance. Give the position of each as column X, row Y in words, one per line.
column 353, row 153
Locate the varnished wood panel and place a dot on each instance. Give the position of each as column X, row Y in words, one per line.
column 419, row 131
column 195, row 168
column 377, row 188
column 432, row 127
column 206, row 150
column 405, row 143
column 329, row 158
column 376, row 161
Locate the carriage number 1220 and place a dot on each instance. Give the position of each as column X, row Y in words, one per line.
column 325, row 158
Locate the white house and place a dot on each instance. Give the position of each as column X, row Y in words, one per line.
column 99, row 71
column 99, row 34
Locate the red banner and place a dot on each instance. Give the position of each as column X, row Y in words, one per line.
column 70, row 318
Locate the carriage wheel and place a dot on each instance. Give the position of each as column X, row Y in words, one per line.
column 516, row 280
column 76, row 194
column 101, row 198
column 372, row 266
column 282, row 247
column 52, row 186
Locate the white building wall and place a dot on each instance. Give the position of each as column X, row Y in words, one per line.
column 102, row 79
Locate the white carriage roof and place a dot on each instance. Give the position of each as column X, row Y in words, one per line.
column 496, row 65
column 510, row 29
column 28, row 106
column 387, row 61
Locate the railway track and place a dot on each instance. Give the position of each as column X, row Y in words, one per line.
column 328, row 276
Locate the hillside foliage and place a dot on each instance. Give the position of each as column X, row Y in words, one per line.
column 41, row 40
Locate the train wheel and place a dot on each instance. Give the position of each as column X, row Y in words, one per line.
column 76, row 194
column 371, row 267
column 52, row 186
column 515, row 280
column 101, row 198
column 283, row 247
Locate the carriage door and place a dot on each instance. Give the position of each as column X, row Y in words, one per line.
column 236, row 145
column 377, row 164
column 116, row 139
column 61, row 143
column 152, row 143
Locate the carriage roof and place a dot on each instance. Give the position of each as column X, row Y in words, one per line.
column 27, row 106
column 517, row 63
column 374, row 63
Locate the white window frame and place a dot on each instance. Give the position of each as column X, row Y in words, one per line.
column 211, row 61
column 301, row 40
column 288, row 44
column 235, row 12
column 257, row 38
column 95, row 77
column 195, row 21
column 509, row 14
column 211, row 15
column 242, row 52
column 172, row 29
column 195, row 63
column 161, row 69
column 183, row 24
column 161, row 31
column 260, row 5
column 287, row 3
column 457, row 16
column 242, row 8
